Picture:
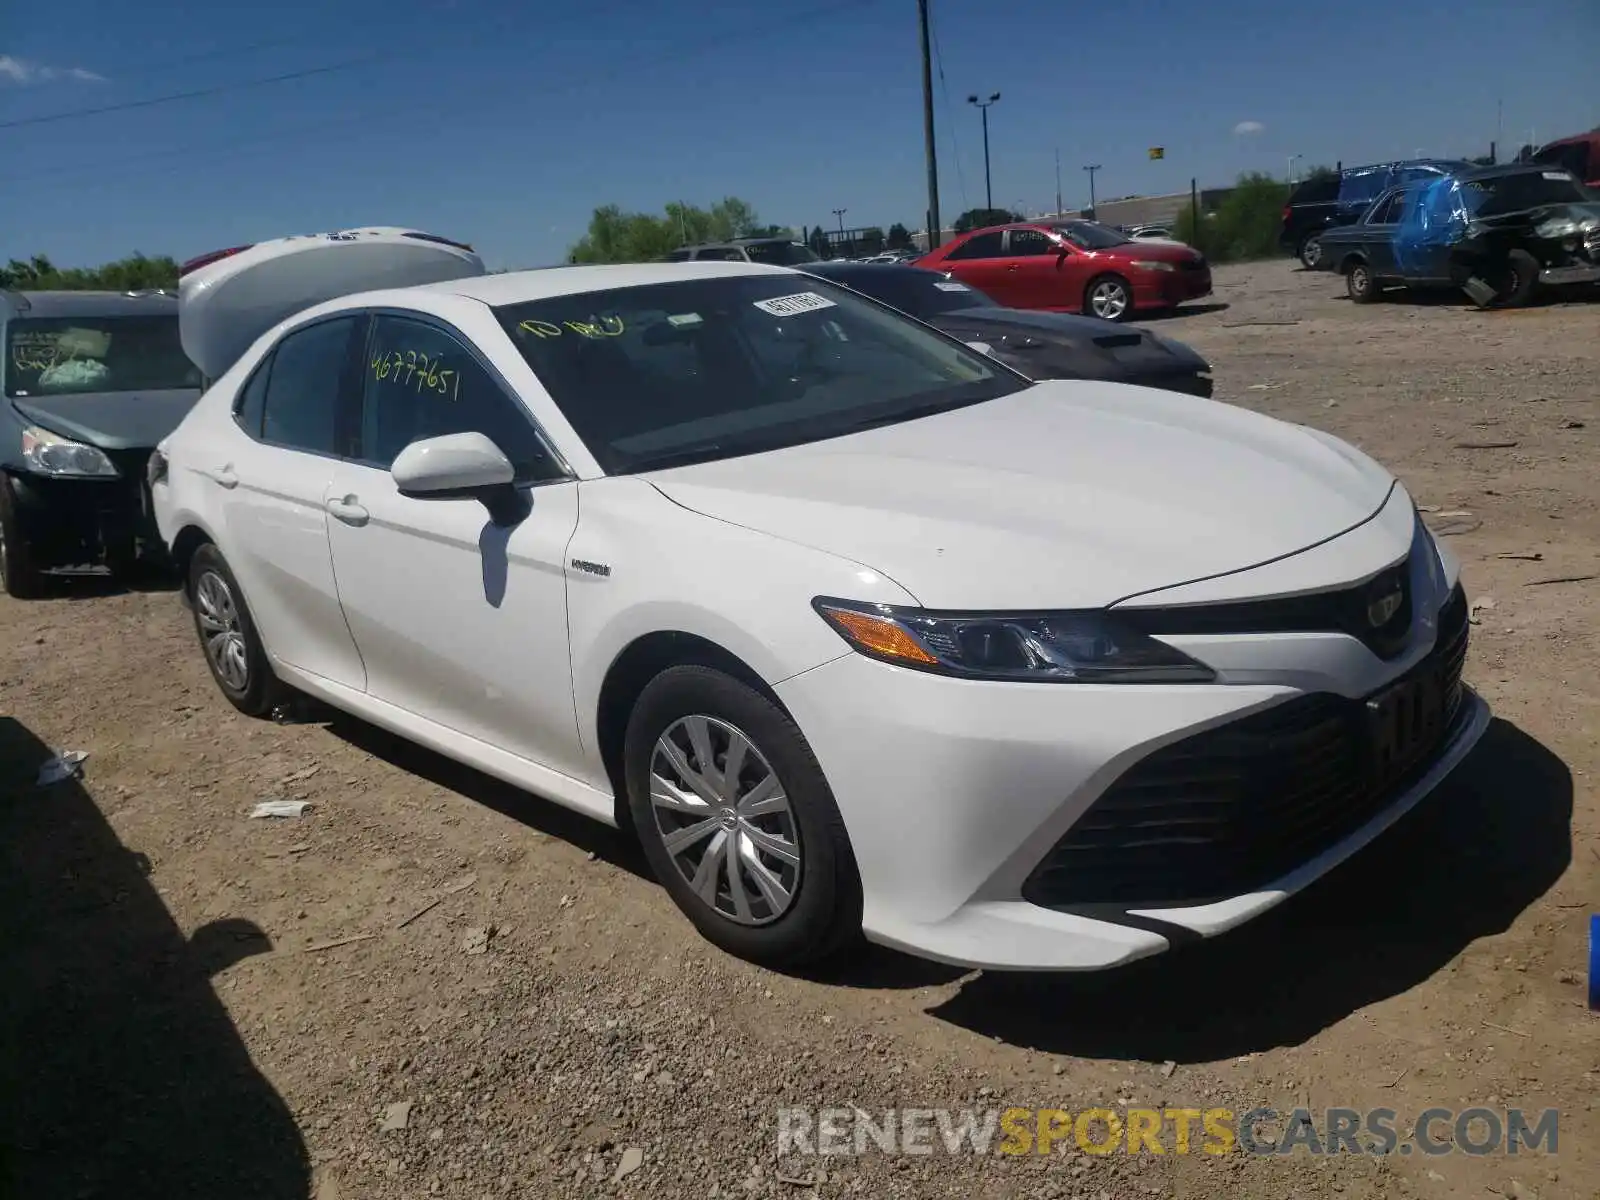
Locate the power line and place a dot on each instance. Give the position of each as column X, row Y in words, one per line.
column 73, row 114
column 244, row 147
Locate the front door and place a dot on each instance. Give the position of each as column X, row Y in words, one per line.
column 1041, row 271
column 460, row 620
column 272, row 473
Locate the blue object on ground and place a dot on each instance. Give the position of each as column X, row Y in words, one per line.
column 1594, row 962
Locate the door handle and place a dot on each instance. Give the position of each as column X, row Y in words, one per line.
column 1012, row 267
column 223, row 476
column 348, row 511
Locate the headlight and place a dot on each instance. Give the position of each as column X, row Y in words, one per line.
column 1064, row 647
column 1155, row 266
column 50, row 454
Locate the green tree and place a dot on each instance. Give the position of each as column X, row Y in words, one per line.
column 1322, row 171
column 616, row 236
column 979, row 218
column 126, row 274
column 900, row 237
column 1243, row 227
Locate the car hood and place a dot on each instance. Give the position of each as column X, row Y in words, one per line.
column 1046, row 345
column 111, row 420
column 1065, row 495
column 1083, row 328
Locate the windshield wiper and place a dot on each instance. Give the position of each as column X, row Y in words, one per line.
column 931, row 408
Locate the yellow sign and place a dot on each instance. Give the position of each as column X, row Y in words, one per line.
column 1158, row 151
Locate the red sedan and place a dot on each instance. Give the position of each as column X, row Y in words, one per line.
column 1073, row 266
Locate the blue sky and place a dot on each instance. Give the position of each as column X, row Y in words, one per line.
column 505, row 124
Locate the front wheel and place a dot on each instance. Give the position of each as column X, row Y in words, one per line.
column 738, row 821
column 1521, row 280
column 19, row 573
column 1359, row 282
column 1109, row 297
column 1310, row 253
column 228, row 636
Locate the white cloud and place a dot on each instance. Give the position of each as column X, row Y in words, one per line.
column 22, row 72
column 1249, row 127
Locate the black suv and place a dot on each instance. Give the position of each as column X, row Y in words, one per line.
column 90, row 382
column 1329, row 201
column 775, row 251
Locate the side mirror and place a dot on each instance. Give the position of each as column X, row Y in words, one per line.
column 459, row 466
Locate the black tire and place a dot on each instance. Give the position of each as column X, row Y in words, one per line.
column 1521, row 280
column 259, row 691
column 823, row 913
column 1359, row 282
column 1091, row 304
column 19, row 573
column 1310, row 252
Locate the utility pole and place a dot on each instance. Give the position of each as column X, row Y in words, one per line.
column 1091, row 170
column 927, row 130
column 983, row 107
column 1058, row 181
column 840, row 212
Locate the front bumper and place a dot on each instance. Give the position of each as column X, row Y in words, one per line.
column 88, row 522
column 1575, row 273
column 958, row 796
column 1167, row 289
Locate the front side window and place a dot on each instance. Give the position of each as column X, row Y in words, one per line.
column 304, row 385
column 1028, row 242
column 54, row 356
column 979, row 245
column 696, row 370
column 422, row 382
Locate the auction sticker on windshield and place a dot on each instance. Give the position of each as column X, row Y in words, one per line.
column 789, row 306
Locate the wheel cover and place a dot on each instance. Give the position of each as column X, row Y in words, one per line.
column 1358, row 278
column 1312, row 253
column 1108, row 299
column 220, row 630
column 725, row 820
column 2, row 555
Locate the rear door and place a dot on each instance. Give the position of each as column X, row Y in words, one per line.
column 461, row 621
column 293, row 424
column 980, row 262
column 1378, row 228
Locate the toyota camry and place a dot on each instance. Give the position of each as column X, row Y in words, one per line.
column 856, row 629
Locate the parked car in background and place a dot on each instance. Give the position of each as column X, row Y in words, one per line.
column 1330, row 201
column 92, row 381
column 1498, row 233
column 1149, row 233
column 1579, row 154
column 1073, row 266
column 856, row 629
column 1042, row 345
column 775, row 251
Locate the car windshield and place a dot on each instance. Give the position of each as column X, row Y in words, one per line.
column 1091, row 235
column 52, row 356
column 665, row 374
column 779, row 254
column 921, row 293
column 1512, row 193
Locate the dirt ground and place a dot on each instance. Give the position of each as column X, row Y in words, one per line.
column 188, row 1011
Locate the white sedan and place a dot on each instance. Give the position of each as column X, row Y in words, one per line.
column 856, row 629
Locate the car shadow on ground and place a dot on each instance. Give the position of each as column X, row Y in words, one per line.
column 537, row 813
column 1183, row 310
column 87, row 585
column 1461, row 866
column 121, row 1073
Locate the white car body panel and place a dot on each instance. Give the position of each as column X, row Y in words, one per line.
column 492, row 645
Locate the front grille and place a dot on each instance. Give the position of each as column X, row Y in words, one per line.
column 1232, row 809
column 1347, row 610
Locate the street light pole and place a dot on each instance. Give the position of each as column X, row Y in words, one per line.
column 840, row 212
column 927, row 129
column 983, row 107
column 1293, row 158
column 1091, row 170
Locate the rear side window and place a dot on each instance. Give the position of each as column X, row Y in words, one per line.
column 983, row 245
column 422, row 382
column 304, row 386
column 252, row 400
column 1316, row 191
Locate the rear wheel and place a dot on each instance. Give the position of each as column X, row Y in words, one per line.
column 737, row 819
column 1310, row 252
column 228, row 636
column 1109, row 297
column 1358, row 281
column 19, row 573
